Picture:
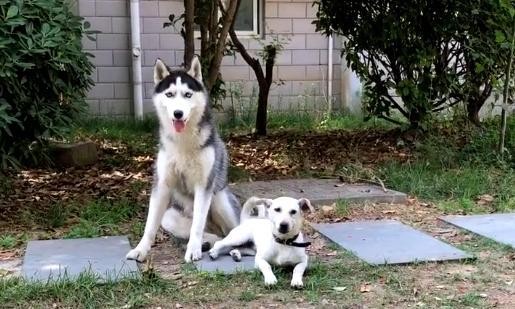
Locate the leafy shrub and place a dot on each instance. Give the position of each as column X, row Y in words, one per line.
column 429, row 54
column 44, row 76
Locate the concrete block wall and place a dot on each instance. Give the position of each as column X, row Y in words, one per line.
column 300, row 74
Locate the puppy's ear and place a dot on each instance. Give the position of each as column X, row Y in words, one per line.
column 160, row 71
column 195, row 70
column 267, row 202
column 305, row 205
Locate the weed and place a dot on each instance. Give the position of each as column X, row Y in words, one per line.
column 8, row 241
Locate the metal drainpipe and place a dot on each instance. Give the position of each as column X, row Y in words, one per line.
column 137, row 83
column 330, row 75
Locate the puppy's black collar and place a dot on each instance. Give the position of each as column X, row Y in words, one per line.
column 291, row 242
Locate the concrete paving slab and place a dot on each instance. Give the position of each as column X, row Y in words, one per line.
column 225, row 264
column 67, row 258
column 389, row 242
column 318, row 191
column 498, row 227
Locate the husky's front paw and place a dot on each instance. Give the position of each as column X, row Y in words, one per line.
column 193, row 252
column 139, row 254
column 296, row 283
column 270, row 280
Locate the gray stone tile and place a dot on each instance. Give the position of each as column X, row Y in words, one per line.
column 225, row 264
column 498, row 227
column 53, row 259
column 318, row 191
column 389, row 242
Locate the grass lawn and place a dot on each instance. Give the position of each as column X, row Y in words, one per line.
column 452, row 170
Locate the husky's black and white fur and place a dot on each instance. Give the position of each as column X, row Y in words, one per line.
column 191, row 167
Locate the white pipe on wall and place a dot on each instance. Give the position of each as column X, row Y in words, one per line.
column 330, row 74
column 137, row 83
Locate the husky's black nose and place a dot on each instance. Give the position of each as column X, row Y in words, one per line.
column 178, row 114
column 283, row 228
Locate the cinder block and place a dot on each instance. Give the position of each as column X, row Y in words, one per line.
column 93, row 107
column 149, row 41
column 77, row 154
column 113, row 74
column 122, row 58
column 336, row 57
column 155, row 25
column 101, row 91
column 102, row 57
column 170, row 7
column 179, row 57
column 86, row 8
column 235, row 73
column 115, row 107
column 148, row 8
column 316, row 72
column 150, row 56
column 88, row 44
column 293, row 10
column 122, row 91
column 306, row 56
column 271, row 9
column 307, row 87
column 311, row 10
column 112, row 8
column 149, row 90
column 284, row 57
column 112, row 41
column 102, row 24
column 278, row 25
column 281, row 89
column 121, row 24
column 316, row 41
column 94, row 75
column 297, row 41
column 171, row 41
column 303, row 26
column 291, row 72
column 147, row 73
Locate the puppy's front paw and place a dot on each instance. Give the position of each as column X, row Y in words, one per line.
column 270, row 280
column 139, row 254
column 297, row 283
column 193, row 252
column 213, row 254
column 236, row 255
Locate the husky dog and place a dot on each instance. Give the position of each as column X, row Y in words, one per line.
column 275, row 233
column 191, row 167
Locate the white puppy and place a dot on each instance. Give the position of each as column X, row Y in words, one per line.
column 275, row 233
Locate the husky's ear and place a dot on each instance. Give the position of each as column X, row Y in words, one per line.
column 160, row 71
column 195, row 70
column 305, row 205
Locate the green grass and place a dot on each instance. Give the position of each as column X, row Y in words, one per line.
column 8, row 241
column 84, row 292
column 103, row 217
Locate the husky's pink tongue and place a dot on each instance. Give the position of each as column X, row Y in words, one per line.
column 179, row 125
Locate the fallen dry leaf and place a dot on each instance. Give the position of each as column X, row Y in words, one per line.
column 365, row 288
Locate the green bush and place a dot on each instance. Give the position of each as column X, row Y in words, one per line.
column 429, row 54
column 44, row 76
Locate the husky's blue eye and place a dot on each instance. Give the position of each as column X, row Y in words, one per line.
column 188, row 95
column 277, row 209
column 169, row 94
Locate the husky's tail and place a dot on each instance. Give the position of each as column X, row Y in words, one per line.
column 251, row 206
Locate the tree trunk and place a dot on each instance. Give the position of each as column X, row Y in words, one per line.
column 261, row 116
column 473, row 108
column 189, row 39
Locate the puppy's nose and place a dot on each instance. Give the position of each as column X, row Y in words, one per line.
column 178, row 114
column 283, row 228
